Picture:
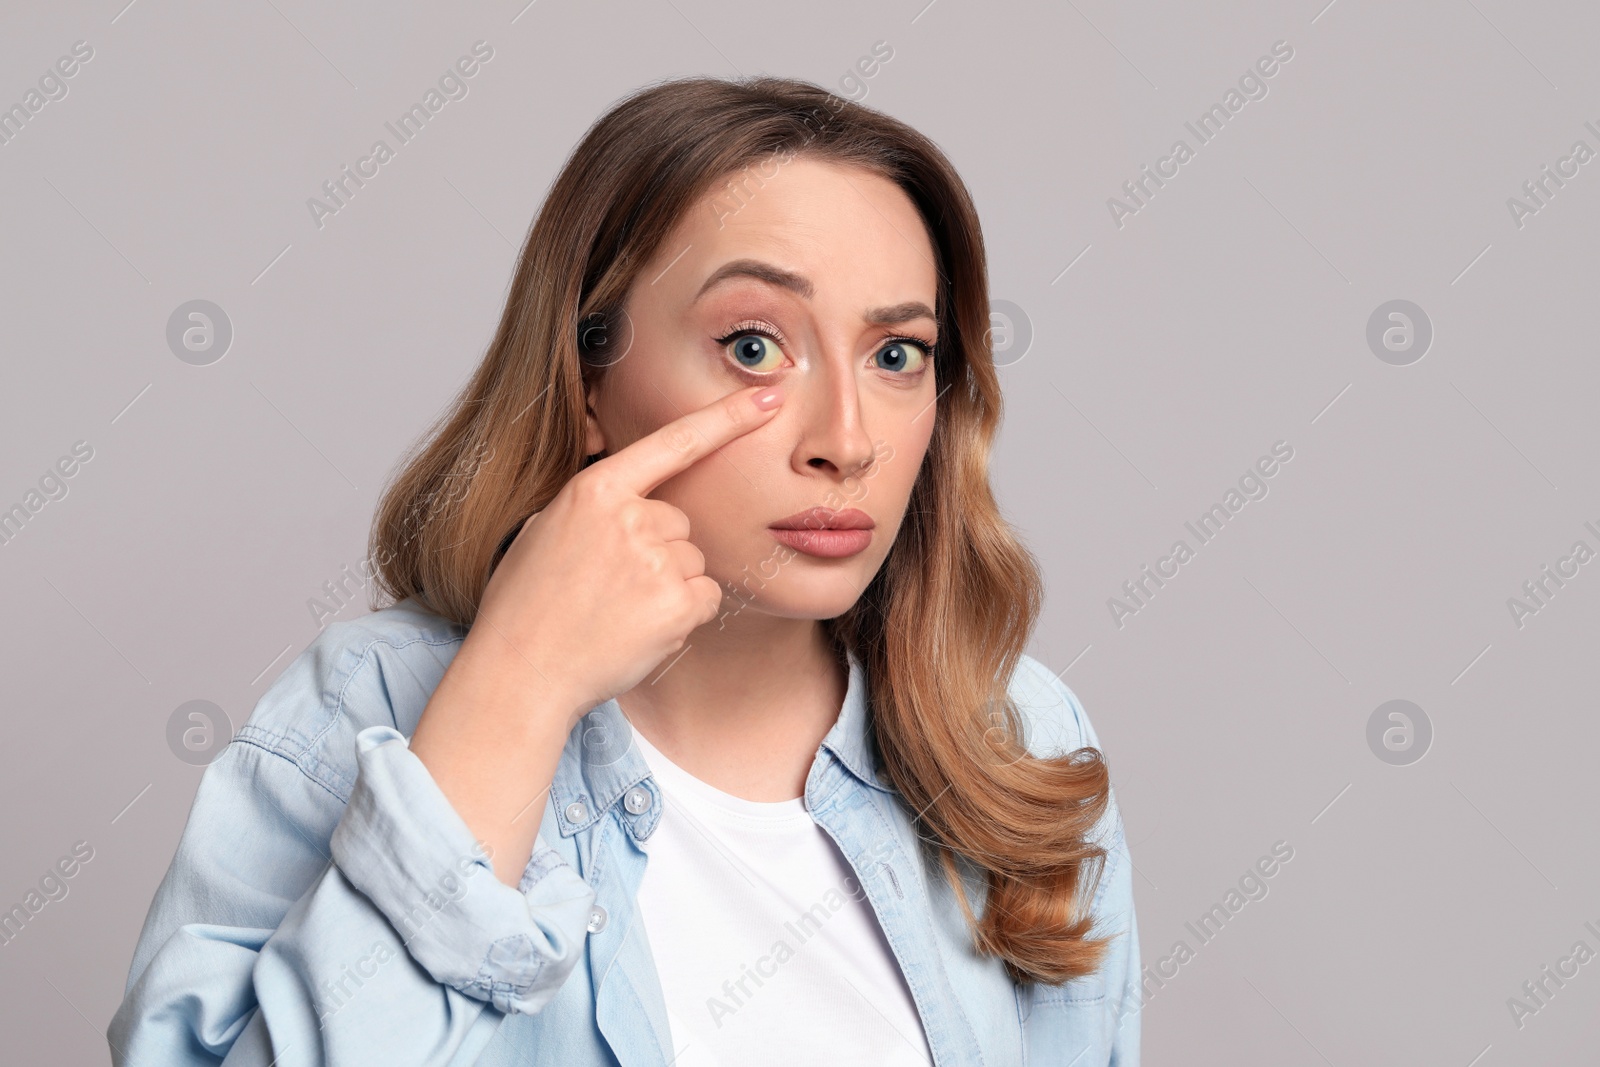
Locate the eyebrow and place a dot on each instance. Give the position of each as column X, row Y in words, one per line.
column 801, row 285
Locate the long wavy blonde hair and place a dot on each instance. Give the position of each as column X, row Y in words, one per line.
column 941, row 627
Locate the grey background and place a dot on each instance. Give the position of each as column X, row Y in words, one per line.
column 1227, row 314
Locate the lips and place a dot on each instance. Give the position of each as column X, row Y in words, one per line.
column 820, row 518
column 825, row 533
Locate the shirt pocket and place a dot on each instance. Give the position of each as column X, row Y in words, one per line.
column 1068, row 1025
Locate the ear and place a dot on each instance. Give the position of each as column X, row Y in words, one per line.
column 594, row 438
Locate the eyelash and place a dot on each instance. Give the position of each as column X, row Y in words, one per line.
column 768, row 330
column 752, row 326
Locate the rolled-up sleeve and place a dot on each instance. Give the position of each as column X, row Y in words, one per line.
column 303, row 924
column 407, row 850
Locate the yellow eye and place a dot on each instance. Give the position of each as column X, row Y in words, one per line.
column 904, row 354
column 756, row 351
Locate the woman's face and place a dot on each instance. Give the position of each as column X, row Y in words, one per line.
column 807, row 278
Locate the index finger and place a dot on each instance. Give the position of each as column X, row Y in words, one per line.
column 681, row 443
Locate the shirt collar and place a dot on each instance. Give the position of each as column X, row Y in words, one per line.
column 851, row 738
column 601, row 763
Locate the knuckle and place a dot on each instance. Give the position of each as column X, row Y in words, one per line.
column 707, row 592
column 577, row 484
column 679, row 438
column 590, row 487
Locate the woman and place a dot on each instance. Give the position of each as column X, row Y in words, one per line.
column 700, row 729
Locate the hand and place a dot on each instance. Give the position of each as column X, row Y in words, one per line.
column 603, row 584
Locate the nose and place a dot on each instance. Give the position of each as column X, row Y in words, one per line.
column 833, row 435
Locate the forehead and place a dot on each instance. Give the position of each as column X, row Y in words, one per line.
column 853, row 233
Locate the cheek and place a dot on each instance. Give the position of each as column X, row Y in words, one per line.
column 656, row 383
column 722, row 496
column 634, row 409
column 729, row 498
column 705, row 494
column 900, row 453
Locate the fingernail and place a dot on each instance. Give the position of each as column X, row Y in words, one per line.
column 768, row 399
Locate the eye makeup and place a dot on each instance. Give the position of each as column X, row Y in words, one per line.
column 752, row 326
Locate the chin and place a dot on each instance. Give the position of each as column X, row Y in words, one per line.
column 825, row 592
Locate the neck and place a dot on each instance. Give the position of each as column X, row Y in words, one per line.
column 743, row 706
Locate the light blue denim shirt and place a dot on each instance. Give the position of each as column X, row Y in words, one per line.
column 327, row 905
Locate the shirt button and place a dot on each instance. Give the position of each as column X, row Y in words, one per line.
column 637, row 800
column 577, row 812
column 597, row 919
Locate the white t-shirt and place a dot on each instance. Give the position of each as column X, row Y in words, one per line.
column 767, row 947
